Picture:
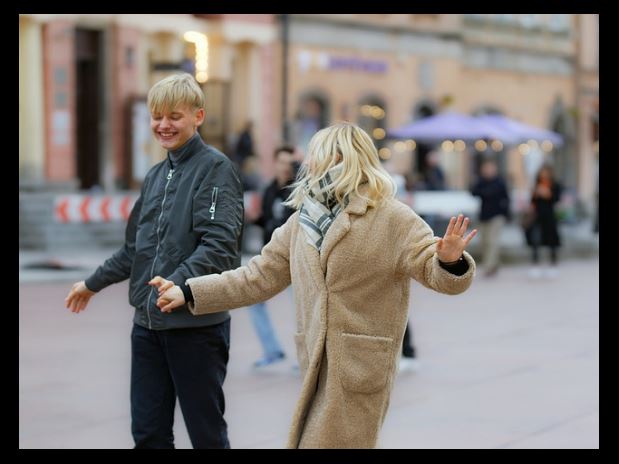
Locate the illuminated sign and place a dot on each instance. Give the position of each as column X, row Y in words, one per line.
column 320, row 60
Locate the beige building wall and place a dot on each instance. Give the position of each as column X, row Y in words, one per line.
column 526, row 97
column 31, row 107
column 541, row 62
column 587, row 80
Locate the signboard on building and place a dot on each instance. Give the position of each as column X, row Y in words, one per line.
column 322, row 60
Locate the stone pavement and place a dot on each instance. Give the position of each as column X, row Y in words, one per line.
column 511, row 363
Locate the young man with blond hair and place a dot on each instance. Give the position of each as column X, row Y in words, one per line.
column 187, row 222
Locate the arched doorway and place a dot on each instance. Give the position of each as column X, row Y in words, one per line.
column 488, row 150
column 313, row 114
column 372, row 118
column 423, row 109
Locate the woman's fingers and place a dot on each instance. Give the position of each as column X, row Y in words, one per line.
column 450, row 226
column 157, row 281
column 458, row 224
column 167, row 285
column 470, row 236
column 169, row 307
column 464, row 226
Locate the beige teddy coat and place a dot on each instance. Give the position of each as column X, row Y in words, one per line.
column 352, row 303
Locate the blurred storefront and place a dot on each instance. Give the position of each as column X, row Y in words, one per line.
column 382, row 71
column 84, row 81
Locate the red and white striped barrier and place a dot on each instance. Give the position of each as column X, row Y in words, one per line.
column 89, row 208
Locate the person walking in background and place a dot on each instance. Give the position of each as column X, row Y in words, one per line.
column 244, row 145
column 542, row 228
column 187, row 222
column 408, row 360
column 274, row 214
column 433, row 175
column 349, row 251
column 495, row 211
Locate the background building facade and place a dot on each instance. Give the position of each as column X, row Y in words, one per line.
column 83, row 121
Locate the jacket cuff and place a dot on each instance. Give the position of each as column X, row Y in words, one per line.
column 458, row 268
column 93, row 285
column 186, row 293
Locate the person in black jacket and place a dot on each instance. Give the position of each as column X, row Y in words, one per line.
column 543, row 229
column 495, row 211
column 274, row 214
column 244, row 145
column 186, row 222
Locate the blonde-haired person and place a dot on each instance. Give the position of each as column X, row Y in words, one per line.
column 349, row 251
column 187, row 222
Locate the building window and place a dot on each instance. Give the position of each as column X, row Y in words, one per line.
column 530, row 21
column 426, row 75
column 506, row 19
column 559, row 23
column 312, row 115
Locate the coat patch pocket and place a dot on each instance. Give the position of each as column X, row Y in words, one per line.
column 364, row 362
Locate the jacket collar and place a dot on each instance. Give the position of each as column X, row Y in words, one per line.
column 186, row 150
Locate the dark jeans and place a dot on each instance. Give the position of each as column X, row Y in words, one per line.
column 189, row 363
column 408, row 350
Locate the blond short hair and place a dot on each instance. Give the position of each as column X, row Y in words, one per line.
column 174, row 91
column 360, row 160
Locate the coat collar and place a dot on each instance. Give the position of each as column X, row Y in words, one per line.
column 358, row 205
column 341, row 224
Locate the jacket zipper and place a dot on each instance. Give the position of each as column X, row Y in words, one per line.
column 165, row 193
column 213, row 202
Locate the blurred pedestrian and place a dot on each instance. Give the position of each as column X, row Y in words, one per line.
column 434, row 177
column 244, row 145
column 408, row 360
column 250, row 174
column 542, row 229
column 274, row 214
column 495, row 211
column 349, row 251
column 434, row 180
column 187, row 222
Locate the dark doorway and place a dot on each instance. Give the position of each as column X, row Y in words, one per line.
column 313, row 115
column 372, row 116
column 88, row 67
column 420, row 167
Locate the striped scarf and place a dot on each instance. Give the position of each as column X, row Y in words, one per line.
column 320, row 208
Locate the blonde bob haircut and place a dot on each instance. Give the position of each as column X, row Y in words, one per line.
column 352, row 146
column 175, row 91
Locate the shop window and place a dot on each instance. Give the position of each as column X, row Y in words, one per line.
column 372, row 118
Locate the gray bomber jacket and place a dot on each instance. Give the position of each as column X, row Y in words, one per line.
column 187, row 222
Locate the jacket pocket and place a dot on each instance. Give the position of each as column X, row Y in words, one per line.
column 213, row 208
column 303, row 357
column 364, row 362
